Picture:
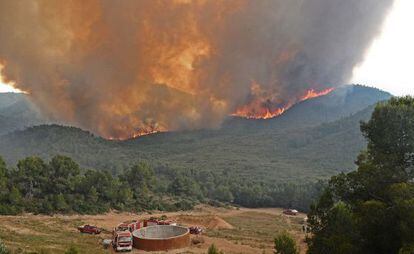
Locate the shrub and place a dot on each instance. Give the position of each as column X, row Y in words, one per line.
column 72, row 250
column 3, row 249
column 284, row 244
column 213, row 250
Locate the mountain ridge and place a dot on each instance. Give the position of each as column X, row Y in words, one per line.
column 265, row 150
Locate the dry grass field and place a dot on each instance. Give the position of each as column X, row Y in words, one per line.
column 232, row 230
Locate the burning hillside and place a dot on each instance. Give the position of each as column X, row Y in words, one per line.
column 261, row 107
column 127, row 68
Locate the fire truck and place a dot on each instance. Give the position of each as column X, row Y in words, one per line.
column 122, row 241
column 136, row 224
column 122, row 234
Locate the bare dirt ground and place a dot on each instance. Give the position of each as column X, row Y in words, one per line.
column 232, row 230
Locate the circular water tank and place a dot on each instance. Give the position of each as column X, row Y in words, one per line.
column 161, row 238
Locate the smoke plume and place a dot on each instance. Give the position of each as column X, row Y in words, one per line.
column 121, row 68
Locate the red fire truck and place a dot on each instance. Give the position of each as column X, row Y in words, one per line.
column 122, row 241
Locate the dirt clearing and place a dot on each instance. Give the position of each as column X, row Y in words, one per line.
column 232, row 230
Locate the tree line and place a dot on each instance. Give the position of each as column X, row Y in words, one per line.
column 61, row 186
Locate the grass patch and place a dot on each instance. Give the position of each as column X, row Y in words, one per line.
column 50, row 235
column 256, row 229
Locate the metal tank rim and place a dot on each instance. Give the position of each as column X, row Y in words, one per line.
column 185, row 232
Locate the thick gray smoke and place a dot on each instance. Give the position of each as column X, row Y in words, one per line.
column 120, row 68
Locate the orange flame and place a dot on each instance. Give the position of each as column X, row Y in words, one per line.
column 313, row 94
column 139, row 133
column 264, row 113
column 8, row 85
column 257, row 110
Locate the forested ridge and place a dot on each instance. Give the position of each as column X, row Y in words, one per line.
column 312, row 141
column 279, row 162
column 61, row 186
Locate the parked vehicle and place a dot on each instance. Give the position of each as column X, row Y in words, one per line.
column 129, row 225
column 88, row 229
column 122, row 241
column 195, row 230
column 166, row 222
column 292, row 212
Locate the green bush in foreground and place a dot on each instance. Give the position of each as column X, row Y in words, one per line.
column 285, row 244
column 3, row 249
column 72, row 250
column 214, row 250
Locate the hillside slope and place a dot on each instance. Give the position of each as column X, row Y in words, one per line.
column 17, row 113
column 342, row 102
column 278, row 150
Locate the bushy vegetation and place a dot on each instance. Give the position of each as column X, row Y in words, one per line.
column 61, row 186
column 371, row 210
column 72, row 250
column 3, row 248
column 214, row 250
column 285, row 244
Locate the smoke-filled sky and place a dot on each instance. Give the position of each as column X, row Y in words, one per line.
column 389, row 62
column 119, row 68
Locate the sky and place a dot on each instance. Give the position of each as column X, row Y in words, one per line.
column 388, row 63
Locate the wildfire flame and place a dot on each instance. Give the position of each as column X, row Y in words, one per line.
column 137, row 134
column 259, row 110
column 143, row 131
column 249, row 111
column 8, row 85
column 123, row 69
column 313, row 94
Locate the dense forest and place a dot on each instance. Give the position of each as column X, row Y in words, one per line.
column 61, row 186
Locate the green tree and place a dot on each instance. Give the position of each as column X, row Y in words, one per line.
column 30, row 176
column 62, row 172
column 336, row 231
column 223, row 193
column 183, row 185
column 4, row 190
column 3, row 178
column 60, row 203
column 285, row 244
column 371, row 210
column 125, row 198
column 140, row 178
column 93, row 195
column 15, row 198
